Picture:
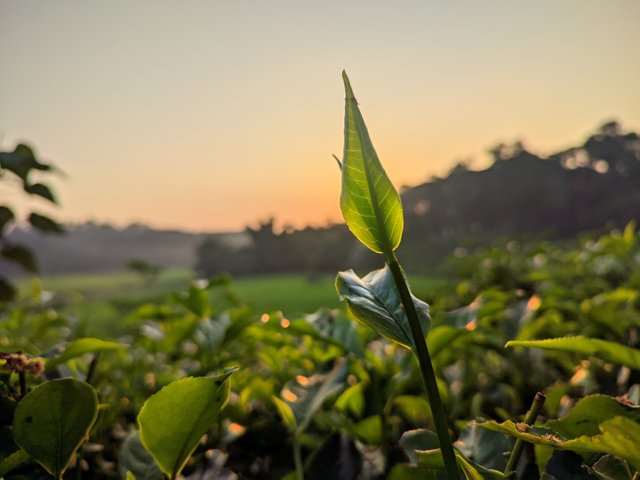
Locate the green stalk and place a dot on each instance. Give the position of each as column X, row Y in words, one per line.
column 426, row 368
column 297, row 457
column 529, row 419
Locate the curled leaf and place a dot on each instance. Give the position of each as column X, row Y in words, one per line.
column 375, row 301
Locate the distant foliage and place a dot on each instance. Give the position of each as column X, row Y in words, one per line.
column 16, row 172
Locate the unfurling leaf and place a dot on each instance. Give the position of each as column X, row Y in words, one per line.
column 370, row 204
column 375, row 301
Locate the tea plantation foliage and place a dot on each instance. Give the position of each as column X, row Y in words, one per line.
column 350, row 399
column 535, row 350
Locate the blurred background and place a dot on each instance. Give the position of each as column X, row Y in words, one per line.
column 195, row 138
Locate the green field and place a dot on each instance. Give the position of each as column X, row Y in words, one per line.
column 95, row 295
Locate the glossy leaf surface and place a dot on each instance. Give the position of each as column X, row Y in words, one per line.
column 375, row 301
column 173, row 421
column 53, row 420
column 369, row 202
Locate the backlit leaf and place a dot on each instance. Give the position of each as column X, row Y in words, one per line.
column 173, row 421
column 369, row 202
column 602, row 349
column 53, row 420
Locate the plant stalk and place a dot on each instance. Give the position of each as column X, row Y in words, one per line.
column 530, row 418
column 297, row 457
column 426, row 368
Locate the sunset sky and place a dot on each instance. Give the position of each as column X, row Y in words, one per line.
column 210, row 115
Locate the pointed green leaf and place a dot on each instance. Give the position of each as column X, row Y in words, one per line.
column 618, row 436
column 81, row 346
column 370, row 205
column 20, row 255
column 286, row 413
column 602, row 349
column 41, row 190
column 44, row 223
column 53, row 420
column 375, row 301
column 173, row 421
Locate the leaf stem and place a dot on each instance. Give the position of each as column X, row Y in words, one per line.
column 297, row 457
column 530, row 418
column 426, row 368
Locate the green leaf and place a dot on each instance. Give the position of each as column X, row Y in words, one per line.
column 485, row 447
column 134, row 459
column 618, row 436
column 20, row 255
column 419, row 439
column 53, row 420
column 13, row 461
column 173, row 421
column 602, row 349
column 589, row 412
column 609, row 467
column 375, row 301
column 44, row 224
column 41, row 190
column 370, row 205
column 81, row 346
column 21, row 161
column 306, row 401
column 286, row 413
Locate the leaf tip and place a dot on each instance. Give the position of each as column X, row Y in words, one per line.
column 347, row 86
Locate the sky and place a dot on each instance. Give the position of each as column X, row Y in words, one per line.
column 211, row 115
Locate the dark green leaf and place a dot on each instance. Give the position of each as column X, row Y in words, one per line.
column 20, row 255
column 375, row 301
column 40, row 190
column 21, row 161
column 53, row 420
column 370, row 204
column 45, row 224
column 485, row 447
column 134, row 458
column 173, row 421
column 609, row 467
column 13, row 461
column 7, row 290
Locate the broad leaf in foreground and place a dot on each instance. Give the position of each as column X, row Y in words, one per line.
column 602, row 349
column 173, row 421
column 375, row 301
column 53, row 420
column 370, row 204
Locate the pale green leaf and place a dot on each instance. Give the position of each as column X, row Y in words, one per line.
column 173, row 421
column 286, row 413
column 375, row 301
column 369, row 202
column 53, row 420
column 81, row 346
column 602, row 349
